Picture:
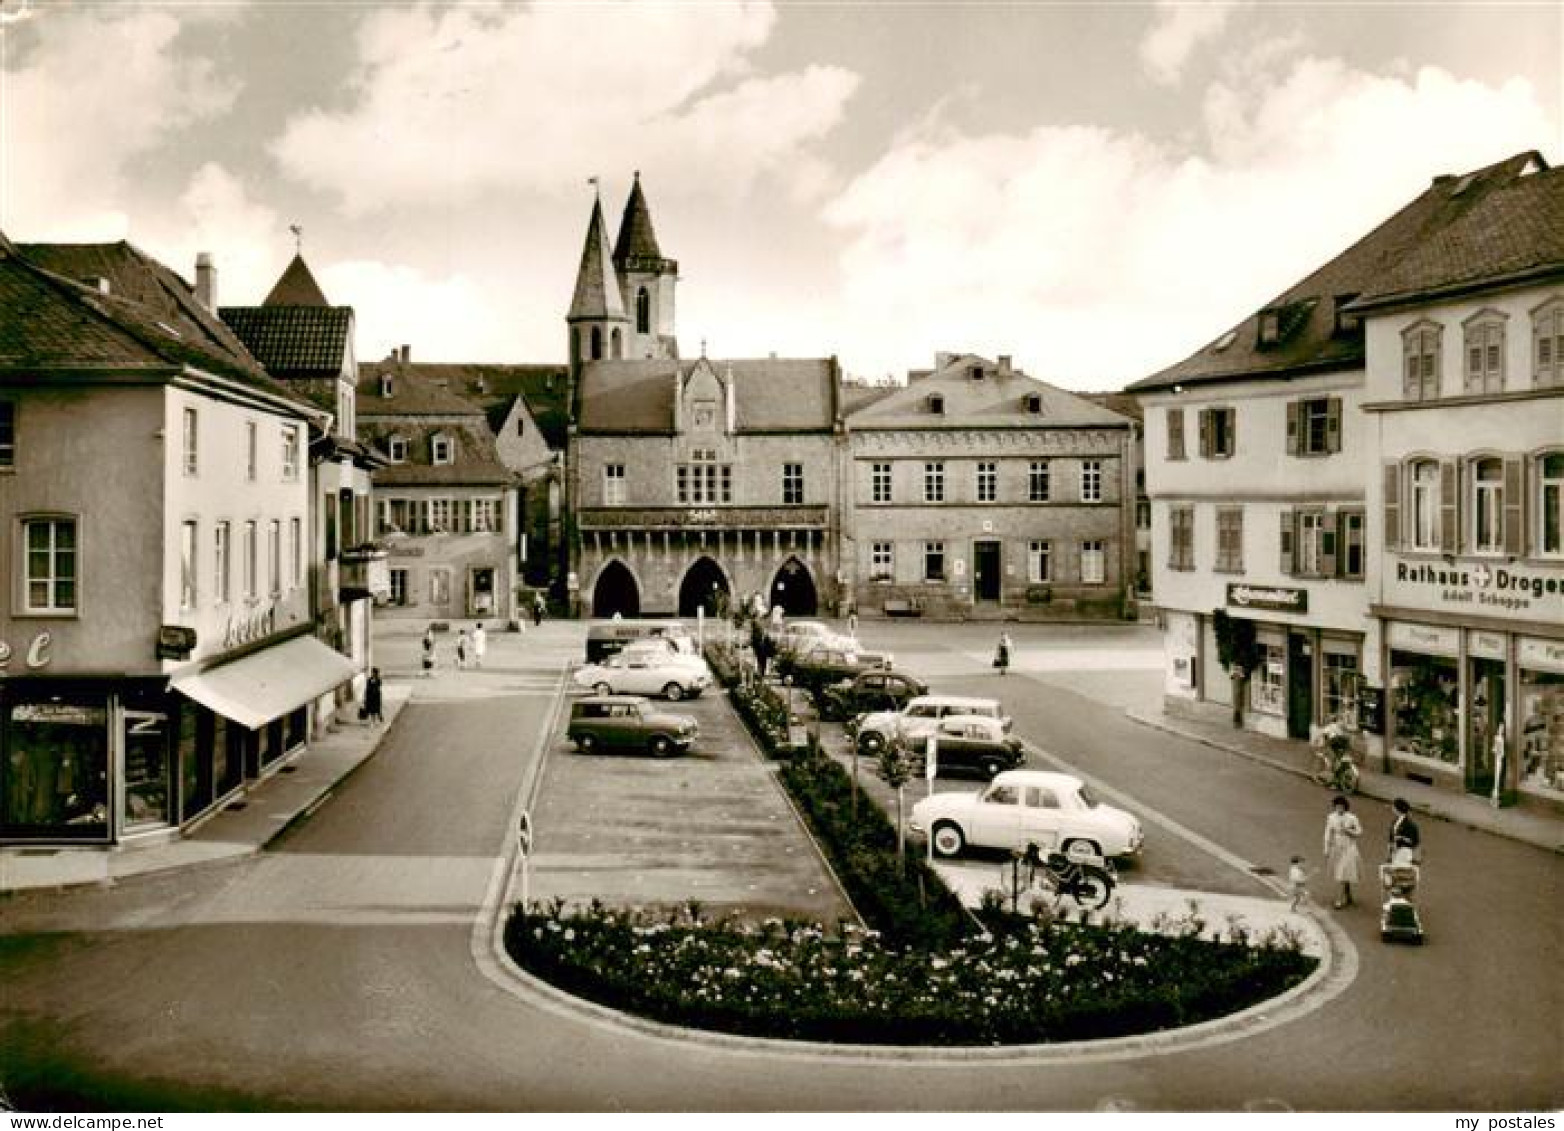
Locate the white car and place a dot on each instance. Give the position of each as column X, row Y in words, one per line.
column 920, row 718
column 1021, row 807
column 646, row 671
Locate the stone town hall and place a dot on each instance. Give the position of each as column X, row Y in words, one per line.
column 973, row 491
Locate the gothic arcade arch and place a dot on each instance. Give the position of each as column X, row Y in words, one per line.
column 616, row 591
column 704, row 586
column 793, row 588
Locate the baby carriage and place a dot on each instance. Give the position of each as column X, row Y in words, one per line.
column 1398, row 917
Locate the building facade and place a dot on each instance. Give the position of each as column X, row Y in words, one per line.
column 156, row 647
column 1465, row 403
column 979, row 491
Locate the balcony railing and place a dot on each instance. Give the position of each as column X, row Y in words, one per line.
column 702, row 518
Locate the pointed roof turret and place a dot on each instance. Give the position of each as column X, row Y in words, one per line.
column 297, row 287
column 637, row 239
column 597, row 282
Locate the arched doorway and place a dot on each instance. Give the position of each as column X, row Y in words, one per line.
column 616, row 592
column 794, row 590
column 705, row 586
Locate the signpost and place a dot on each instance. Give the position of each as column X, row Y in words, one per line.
column 524, row 850
column 930, row 772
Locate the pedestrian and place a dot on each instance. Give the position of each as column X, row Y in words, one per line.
column 852, row 621
column 461, row 650
column 429, row 652
column 480, row 644
column 1298, row 882
column 1002, row 653
column 537, row 609
column 373, row 699
column 1404, row 832
column 1342, row 830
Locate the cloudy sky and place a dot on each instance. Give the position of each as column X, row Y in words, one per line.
column 1094, row 189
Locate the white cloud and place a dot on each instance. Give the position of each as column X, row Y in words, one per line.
column 74, row 121
column 1179, row 28
column 450, row 105
column 1096, row 257
column 446, row 318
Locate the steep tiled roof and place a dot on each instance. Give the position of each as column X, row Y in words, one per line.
column 1307, row 312
column 1513, row 231
column 412, row 394
column 597, row 282
column 637, row 239
column 544, row 388
column 296, row 287
column 996, row 400
column 148, row 318
column 772, row 394
column 294, row 341
column 475, row 458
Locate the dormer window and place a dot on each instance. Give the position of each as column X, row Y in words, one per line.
column 1270, row 327
column 396, row 448
column 936, row 404
column 1348, row 323
column 441, row 450
column 1034, row 403
column 385, row 385
column 977, row 373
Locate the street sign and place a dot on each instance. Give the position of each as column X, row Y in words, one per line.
column 524, row 834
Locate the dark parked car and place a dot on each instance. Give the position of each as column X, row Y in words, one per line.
column 879, row 690
column 629, row 721
column 971, row 744
column 825, row 665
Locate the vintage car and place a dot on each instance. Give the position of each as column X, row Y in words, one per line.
column 646, row 671
column 917, row 720
column 879, row 689
column 628, row 722
column 827, row 663
column 970, row 744
column 1020, row 807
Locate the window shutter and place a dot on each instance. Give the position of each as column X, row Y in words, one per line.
column 1294, row 428
column 1392, row 506
column 1514, row 507
column 1333, row 424
column 1175, row 433
column 1449, row 496
column 1286, row 542
column 1205, row 433
column 1328, row 527
column 1232, row 431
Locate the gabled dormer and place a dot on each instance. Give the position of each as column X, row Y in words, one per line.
column 705, row 402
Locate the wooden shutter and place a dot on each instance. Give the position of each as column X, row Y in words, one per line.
column 1514, row 507
column 1286, row 542
column 1205, row 433
column 1175, row 433
column 1294, row 428
column 1392, row 510
column 1328, row 526
column 1333, row 424
column 1449, row 498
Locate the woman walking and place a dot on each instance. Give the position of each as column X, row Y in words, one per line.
column 1002, row 653
column 373, row 698
column 1342, row 860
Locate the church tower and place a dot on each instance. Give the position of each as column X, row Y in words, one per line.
column 597, row 323
column 648, row 281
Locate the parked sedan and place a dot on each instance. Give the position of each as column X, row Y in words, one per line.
column 971, row 744
column 1021, row 807
column 919, row 718
column 646, row 672
column 878, row 690
column 826, row 664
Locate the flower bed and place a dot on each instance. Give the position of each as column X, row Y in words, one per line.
column 1025, row 983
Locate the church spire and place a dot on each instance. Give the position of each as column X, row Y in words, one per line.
column 597, row 282
column 637, row 239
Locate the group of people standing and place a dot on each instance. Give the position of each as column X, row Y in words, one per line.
column 1343, row 860
column 470, row 648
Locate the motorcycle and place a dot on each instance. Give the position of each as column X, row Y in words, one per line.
column 1089, row 883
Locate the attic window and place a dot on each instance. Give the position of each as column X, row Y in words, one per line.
column 385, row 384
column 977, row 373
column 1225, row 340
column 1347, row 321
column 396, row 448
column 1034, row 403
column 441, row 450
column 936, row 403
column 1270, row 327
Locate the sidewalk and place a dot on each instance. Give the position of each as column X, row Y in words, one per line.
column 241, row 828
column 1295, row 757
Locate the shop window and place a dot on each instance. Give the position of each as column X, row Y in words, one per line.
column 987, row 481
column 1175, row 420
column 1339, row 688
column 1039, row 562
column 1423, row 696
column 1420, row 362
column 880, row 482
column 49, row 565
column 1267, row 688
column 1314, row 426
column 1547, row 344
column 934, row 483
column 1550, row 504
column 934, row 561
column 1542, row 732
column 1181, row 539
column 56, row 780
column 1485, row 353
column 1094, row 563
column 1229, row 539
column 1218, row 432
column 1037, row 481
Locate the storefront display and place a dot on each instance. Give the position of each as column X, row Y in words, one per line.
column 54, row 777
column 1424, row 695
column 1541, row 703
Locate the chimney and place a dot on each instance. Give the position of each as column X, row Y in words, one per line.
column 206, row 280
column 406, row 354
column 1004, row 365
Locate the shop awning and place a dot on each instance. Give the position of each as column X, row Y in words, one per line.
column 268, row 684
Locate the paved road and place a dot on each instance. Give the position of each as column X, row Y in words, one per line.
column 348, row 968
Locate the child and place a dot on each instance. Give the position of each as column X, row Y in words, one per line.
column 1298, row 881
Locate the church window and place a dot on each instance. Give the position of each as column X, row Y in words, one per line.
column 597, row 344
column 643, row 312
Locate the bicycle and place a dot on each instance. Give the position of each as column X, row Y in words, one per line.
column 1333, row 764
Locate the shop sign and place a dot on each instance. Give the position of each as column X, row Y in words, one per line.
column 60, row 714
column 1540, row 655
column 1276, row 598
column 243, row 628
column 1489, row 645
column 1425, row 638
column 398, row 551
column 38, row 652
column 1480, row 584
column 175, row 642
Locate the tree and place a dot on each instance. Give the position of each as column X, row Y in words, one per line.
column 1238, row 649
column 894, row 765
